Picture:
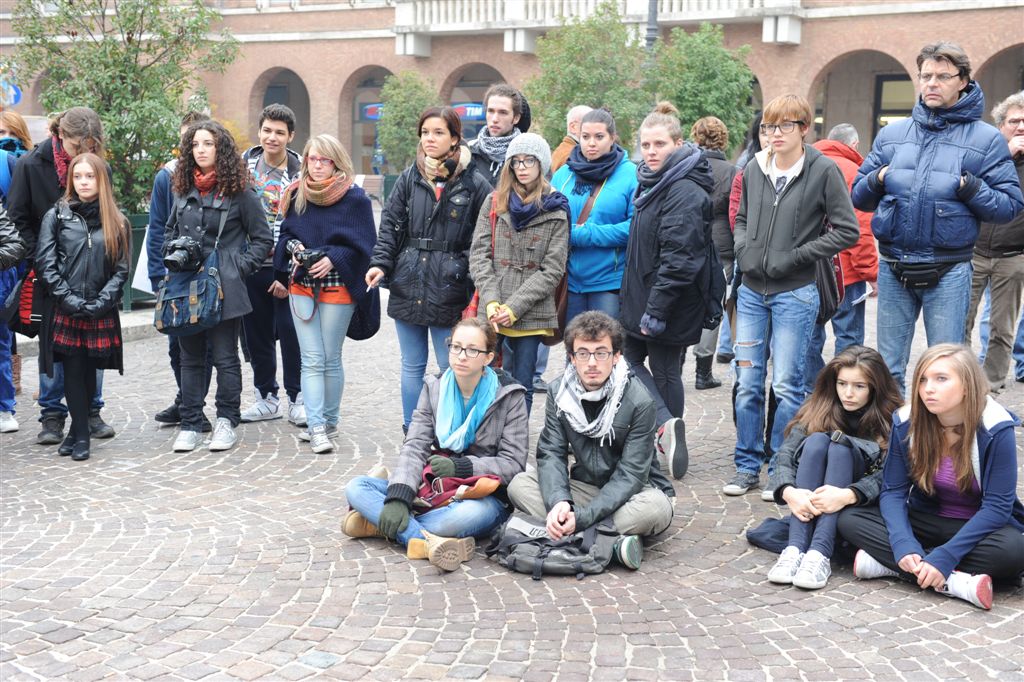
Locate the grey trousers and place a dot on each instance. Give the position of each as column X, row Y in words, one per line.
column 709, row 337
column 649, row 512
column 1006, row 278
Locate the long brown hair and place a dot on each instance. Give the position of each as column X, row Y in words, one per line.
column 508, row 182
column 82, row 123
column 115, row 231
column 823, row 412
column 926, row 441
column 15, row 122
column 232, row 175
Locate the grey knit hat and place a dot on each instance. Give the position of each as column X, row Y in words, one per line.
column 533, row 145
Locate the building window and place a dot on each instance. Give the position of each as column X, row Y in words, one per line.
column 894, row 100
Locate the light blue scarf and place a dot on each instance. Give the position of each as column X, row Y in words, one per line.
column 457, row 421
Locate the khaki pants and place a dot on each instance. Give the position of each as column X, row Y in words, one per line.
column 1006, row 277
column 649, row 512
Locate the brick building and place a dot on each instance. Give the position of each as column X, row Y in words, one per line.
column 328, row 58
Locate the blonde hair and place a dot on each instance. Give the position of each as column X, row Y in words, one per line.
column 665, row 114
column 788, row 108
column 508, row 182
column 926, row 441
column 329, row 147
column 14, row 122
column 113, row 222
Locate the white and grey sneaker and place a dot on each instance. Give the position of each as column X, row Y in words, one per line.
column 741, row 483
column 187, row 441
column 330, row 430
column 786, row 567
column 973, row 588
column 768, row 494
column 318, row 439
column 8, row 424
column 263, row 408
column 815, row 569
column 671, row 445
column 224, row 437
column 867, row 567
column 297, row 411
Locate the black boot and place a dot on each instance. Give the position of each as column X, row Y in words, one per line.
column 53, row 429
column 99, row 428
column 67, row 447
column 169, row 415
column 80, row 453
column 705, row 379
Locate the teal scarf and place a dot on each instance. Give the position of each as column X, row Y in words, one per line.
column 457, row 422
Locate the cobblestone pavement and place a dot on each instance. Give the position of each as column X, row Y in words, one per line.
column 146, row 564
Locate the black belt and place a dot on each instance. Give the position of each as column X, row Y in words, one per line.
column 435, row 245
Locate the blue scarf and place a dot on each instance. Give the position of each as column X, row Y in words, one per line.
column 457, row 422
column 520, row 214
column 589, row 173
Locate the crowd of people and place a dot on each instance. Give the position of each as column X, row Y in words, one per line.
column 496, row 249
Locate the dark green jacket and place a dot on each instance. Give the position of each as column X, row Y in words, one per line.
column 620, row 469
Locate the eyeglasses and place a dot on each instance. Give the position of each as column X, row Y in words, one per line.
column 585, row 355
column 940, row 77
column 785, row 127
column 319, row 161
column 455, row 350
column 1014, row 122
column 528, row 162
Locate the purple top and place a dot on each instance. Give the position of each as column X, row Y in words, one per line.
column 954, row 504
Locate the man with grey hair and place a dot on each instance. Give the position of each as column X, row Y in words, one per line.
column 999, row 256
column 572, row 136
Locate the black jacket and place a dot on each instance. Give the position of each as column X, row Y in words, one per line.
column 723, row 173
column 12, row 248
column 666, row 257
column 423, row 247
column 34, row 191
column 481, row 163
column 243, row 246
column 1006, row 239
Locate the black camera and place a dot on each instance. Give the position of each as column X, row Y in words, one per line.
column 183, row 253
column 307, row 258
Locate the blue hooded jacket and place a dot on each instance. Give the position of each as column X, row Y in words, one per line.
column 921, row 214
column 597, row 249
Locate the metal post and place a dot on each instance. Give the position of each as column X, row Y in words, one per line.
column 652, row 24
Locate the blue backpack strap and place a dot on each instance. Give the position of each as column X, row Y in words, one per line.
column 6, row 164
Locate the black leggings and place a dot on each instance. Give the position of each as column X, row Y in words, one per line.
column 663, row 381
column 79, row 387
column 999, row 554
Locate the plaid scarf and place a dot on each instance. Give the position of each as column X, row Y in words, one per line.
column 442, row 170
column 571, row 394
column 495, row 147
column 320, row 192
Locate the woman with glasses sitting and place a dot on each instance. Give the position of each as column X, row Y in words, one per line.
column 518, row 254
column 471, row 421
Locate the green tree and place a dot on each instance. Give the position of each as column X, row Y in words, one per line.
column 702, row 77
column 597, row 61
column 404, row 97
column 133, row 62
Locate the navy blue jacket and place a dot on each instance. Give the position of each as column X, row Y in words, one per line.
column 921, row 214
column 994, row 460
column 161, row 204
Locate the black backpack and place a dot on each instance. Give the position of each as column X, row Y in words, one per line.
column 522, row 544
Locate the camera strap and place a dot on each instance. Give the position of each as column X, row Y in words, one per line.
column 316, row 295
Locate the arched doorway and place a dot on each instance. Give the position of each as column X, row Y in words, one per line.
column 363, row 88
column 467, row 94
column 282, row 86
column 1001, row 76
column 865, row 88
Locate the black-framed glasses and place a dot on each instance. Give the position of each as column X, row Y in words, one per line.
column 940, row 77
column 455, row 349
column 585, row 355
column 785, row 127
column 527, row 162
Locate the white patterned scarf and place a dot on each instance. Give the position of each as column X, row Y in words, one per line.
column 571, row 395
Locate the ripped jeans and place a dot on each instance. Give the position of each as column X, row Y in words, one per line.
column 781, row 322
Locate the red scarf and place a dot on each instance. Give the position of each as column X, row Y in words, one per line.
column 204, row 182
column 61, row 161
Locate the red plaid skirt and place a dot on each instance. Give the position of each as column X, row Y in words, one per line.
column 97, row 338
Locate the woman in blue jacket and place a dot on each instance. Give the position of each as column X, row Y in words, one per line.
column 600, row 168
column 948, row 517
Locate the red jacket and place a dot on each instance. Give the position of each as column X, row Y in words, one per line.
column 860, row 261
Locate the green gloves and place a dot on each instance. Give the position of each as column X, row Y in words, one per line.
column 442, row 466
column 394, row 518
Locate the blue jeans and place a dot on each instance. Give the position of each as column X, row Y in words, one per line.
column 605, row 301
column 270, row 322
column 7, row 401
column 984, row 328
column 51, row 392
column 822, row 462
column 1018, row 350
column 945, row 314
column 460, row 519
column 412, row 340
column 783, row 323
column 320, row 341
column 523, row 362
column 848, row 327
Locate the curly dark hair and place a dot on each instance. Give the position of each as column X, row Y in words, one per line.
column 232, row 175
column 591, row 326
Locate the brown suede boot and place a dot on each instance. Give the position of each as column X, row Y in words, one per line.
column 355, row 525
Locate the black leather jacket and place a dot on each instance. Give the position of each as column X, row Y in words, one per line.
column 71, row 260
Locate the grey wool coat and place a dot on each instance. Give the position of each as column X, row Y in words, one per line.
column 525, row 268
column 500, row 447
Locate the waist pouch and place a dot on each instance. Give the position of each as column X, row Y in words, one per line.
column 920, row 275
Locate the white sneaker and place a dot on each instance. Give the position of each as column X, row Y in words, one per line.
column 976, row 589
column 331, row 429
column 319, row 440
column 224, row 437
column 297, row 411
column 187, row 441
column 814, row 571
column 768, row 494
column 263, row 409
column 867, row 567
column 786, row 567
column 8, row 424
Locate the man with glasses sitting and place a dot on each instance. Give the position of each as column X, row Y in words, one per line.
column 930, row 179
column 605, row 416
